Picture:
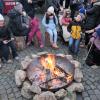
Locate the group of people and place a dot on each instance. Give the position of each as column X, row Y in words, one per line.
column 75, row 18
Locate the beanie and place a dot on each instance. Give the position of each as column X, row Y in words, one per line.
column 1, row 18
column 51, row 9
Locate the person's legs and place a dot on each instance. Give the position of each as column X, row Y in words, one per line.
column 77, row 42
column 5, row 52
column 61, row 2
column 39, row 37
column 71, row 42
column 55, row 36
column 51, row 35
column 67, row 2
column 31, row 35
column 87, row 38
column 13, row 49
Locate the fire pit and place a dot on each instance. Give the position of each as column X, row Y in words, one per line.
column 51, row 72
column 49, row 76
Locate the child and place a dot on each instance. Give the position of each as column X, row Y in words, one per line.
column 75, row 27
column 50, row 21
column 6, row 43
column 35, row 29
column 65, row 22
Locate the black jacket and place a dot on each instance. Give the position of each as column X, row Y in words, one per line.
column 93, row 16
column 16, row 25
column 5, row 34
column 28, row 7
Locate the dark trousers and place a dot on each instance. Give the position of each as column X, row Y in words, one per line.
column 87, row 38
column 74, row 8
column 5, row 50
column 67, row 2
column 94, row 56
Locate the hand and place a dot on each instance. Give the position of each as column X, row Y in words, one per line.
column 24, row 13
column 5, row 41
column 90, row 31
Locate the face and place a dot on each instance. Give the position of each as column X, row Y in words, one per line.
column 78, row 18
column 50, row 15
column 92, row 1
column 2, row 23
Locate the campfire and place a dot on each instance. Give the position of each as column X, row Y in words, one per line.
column 47, row 76
column 51, row 72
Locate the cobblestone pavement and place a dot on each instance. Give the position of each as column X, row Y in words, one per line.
column 9, row 91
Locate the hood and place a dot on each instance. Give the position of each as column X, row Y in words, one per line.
column 97, row 3
column 19, row 8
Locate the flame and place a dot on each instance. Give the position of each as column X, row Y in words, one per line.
column 49, row 62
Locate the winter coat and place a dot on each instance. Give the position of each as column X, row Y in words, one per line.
column 76, row 29
column 16, row 24
column 51, row 23
column 96, row 39
column 54, row 3
column 27, row 7
column 1, row 4
column 65, row 21
column 5, row 34
column 93, row 16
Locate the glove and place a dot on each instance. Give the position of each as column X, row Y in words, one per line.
column 83, row 11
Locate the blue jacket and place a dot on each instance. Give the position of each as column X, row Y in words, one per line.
column 51, row 23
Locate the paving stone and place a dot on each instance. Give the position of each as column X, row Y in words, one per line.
column 2, row 91
column 12, row 99
column 97, row 92
column 98, row 96
column 4, row 97
column 9, row 91
column 85, row 94
column 93, row 97
column 17, row 94
column 90, row 92
column 11, row 95
column 87, row 98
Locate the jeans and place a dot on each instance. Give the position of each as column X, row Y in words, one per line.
column 53, row 35
column 74, row 45
column 5, row 49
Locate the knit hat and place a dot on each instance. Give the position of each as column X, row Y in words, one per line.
column 98, row 32
column 1, row 18
column 51, row 9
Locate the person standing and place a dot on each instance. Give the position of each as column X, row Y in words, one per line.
column 1, row 6
column 67, row 3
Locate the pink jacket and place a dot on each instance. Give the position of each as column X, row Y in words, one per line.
column 66, row 21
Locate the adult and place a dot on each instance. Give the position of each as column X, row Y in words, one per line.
column 1, row 6
column 16, row 24
column 92, row 19
column 74, row 6
column 94, row 55
column 28, row 6
column 54, row 3
column 6, row 42
column 67, row 3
